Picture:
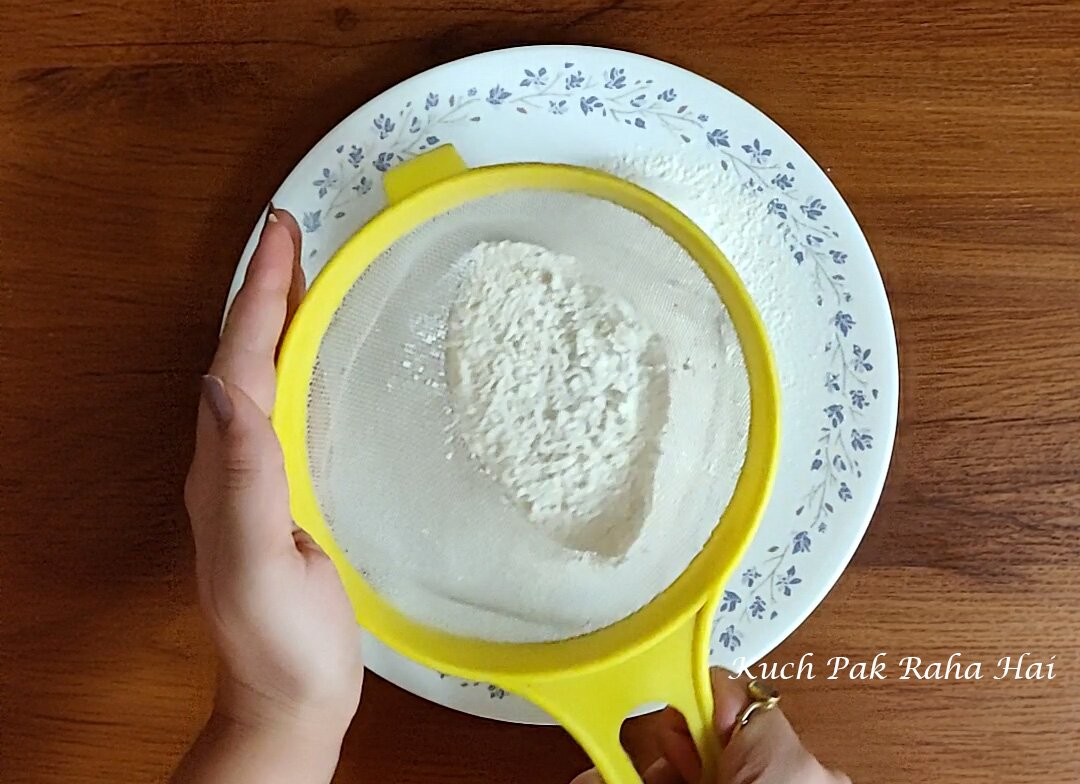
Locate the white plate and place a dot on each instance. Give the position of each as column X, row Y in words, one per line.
column 556, row 104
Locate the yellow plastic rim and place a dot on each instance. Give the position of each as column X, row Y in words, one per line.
column 706, row 574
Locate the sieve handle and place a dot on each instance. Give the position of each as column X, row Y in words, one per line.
column 422, row 172
column 593, row 705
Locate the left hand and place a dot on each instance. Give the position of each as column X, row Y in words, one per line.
column 283, row 626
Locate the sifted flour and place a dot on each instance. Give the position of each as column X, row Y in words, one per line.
column 560, row 393
column 717, row 201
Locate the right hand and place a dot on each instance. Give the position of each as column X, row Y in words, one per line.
column 765, row 751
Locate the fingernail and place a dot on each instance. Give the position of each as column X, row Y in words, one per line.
column 217, row 400
column 271, row 217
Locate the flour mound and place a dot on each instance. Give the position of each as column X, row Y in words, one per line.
column 559, row 393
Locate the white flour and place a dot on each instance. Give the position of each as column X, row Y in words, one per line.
column 739, row 223
column 559, row 391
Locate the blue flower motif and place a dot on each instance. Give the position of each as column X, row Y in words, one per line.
column 787, row 580
column 472, row 92
column 813, row 209
column 816, row 464
column 495, row 693
column 843, row 322
column 832, row 381
column 783, row 181
column 639, row 123
column 667, row 96
column 861, row 440
column 355, row 156
column 838, row 463
column 432, row 101
column 616, row 79
column 860, row 357
column 801, row 542
column 536, row 77
column 756, row 152
column 384, row 125
column 750, row 576
column 639, row 101
column 757, row 608
column 414, row 125
column 703, row 118
column 591, row 104
column 777, row 207
column 730, row 639
column 311, row 221
column 844, row 492
column 363, row 186
column 431, row 140
column 718, row 137
column 838, row 257
column 835, row 413
column 496, row 95
column 384, row 161
column 814, row 240
column 558, row 107
column 574, row 80
column 730, row 601
column 326, row 183
column 858, row 399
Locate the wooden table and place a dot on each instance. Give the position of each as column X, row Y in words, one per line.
column 141, row 140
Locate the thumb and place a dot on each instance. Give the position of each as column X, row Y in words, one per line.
column 237, row 488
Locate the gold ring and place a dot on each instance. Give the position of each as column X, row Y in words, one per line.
column 762, row 698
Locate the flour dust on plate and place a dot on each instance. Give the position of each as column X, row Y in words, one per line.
column 527, row 417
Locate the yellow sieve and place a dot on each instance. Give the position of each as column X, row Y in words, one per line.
column 658, row 654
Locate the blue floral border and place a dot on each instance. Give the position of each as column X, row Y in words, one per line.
column 612, row 95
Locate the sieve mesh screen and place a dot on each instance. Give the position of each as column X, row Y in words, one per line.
column 439, row 537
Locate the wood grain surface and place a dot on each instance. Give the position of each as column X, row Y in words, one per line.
column 140, row 141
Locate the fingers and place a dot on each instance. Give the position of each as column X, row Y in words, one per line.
column 673, row 735
column 663, row 771
column 237, row 480
column 766, row 748
column 729, row 698
column 660, row 772
column 245, row 356
column 298, row 288
column 677, row 746
column 588, row 777
column 237, row 488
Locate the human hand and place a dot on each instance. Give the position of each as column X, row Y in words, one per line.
column 283, row 626
column 765, row 751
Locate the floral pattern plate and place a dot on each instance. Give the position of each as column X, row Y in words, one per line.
column 575, row 104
